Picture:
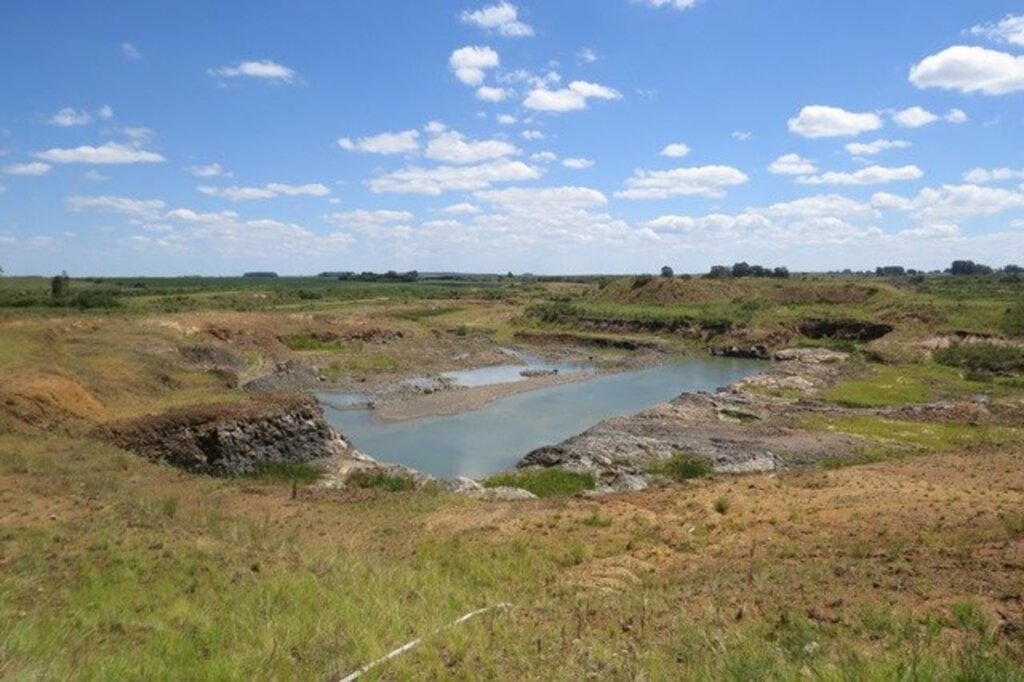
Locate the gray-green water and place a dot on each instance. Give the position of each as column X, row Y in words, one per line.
column 497, row 435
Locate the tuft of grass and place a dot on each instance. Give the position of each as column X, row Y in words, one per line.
column 723, row 505
column 380, row 480
column 303, row 473
column 553, row 482
column 983, row 358
column 682, row 466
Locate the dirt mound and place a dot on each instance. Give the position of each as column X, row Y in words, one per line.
column 49, row 400
column 669, row 291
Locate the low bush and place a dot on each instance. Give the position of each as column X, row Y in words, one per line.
column 551, row 482
column 983, row 358
column 303, row 473
column 682, row 467
column 380, row 480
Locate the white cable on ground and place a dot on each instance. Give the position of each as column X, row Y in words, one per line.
column 416, row 642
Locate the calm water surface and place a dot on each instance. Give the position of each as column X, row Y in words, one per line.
column 497, row 435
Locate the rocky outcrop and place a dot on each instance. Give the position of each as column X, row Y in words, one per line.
column 232, row 440
column 291, row 375
column 734, row 431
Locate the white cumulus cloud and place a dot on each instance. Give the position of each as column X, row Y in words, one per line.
column 33, row 168
column 502, row 18
column 578, row 163
column 69, row 117
column 470, row 64
column 384, row 143
column 452, row 147
column 1009, row 30
column 824, row 121
column 872, row 175
column 970, row 69
column 435, row 181
column 707, row 181
column 571, row 98
column 268, row 191
column 792, row 164
column 676, row 150
column 110, row 153
column 876, row 147
column 263, row 69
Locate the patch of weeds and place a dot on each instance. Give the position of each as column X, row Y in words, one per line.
column 969, row 616
column 1014, row 522
column 983, row 358
column 424, row 313
column 682, row 466
column 595, row 520
column 169, row 507
column 553, row 482
column 302, row 473
column 722, row 505
column 380, row 480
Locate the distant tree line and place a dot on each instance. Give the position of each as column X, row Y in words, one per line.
column 958, row 268
column 389, row 276
column 743, row 269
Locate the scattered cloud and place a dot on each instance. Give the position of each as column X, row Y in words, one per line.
column 742, row 135
column 676, row 150
column 502, row 18
column 792, row 164
column 872, row 175
column 707, row 181
column 263, row 69
column 362, row 220
column 953, row 202
column 586, row 56
column 1009, row 30
column 33, row 168
column 463, row 208
column 106, row 112
column 440, row 179
column 148, row 209
column 507, row 119
column 69, row 117
column 532, row 135
column 876, row 147
column 268, row 191
column 970, row 69
column 578, row 163
column 209, row 170
column 449, row 146
column 110, row 153
column 981, row 176
column 572, row 98
column 824, row 121
column 544, row 157
column 384, row 143
column 130, row 51
column 470, row 64
column 914, row 117
column 675, row 4
column 94, row 175
column 487, row 93
column 956, row 116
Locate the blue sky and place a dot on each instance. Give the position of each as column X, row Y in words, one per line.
column 199, row 137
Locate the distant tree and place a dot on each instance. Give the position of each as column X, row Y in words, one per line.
column 890, row 271
column 969, row 267
column 720, row 272
column 666, row 271
column 780, row 272
column 741, row 269
column 60, row 286
column 1010, row 269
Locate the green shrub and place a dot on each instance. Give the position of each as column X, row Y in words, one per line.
column 380, row 480
column 304, row 473
column 551, row 482
column 990, row 358
column 682, row 467
column 1013, row 321
column 723, row 505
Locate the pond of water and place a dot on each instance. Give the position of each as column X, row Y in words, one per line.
column 497, row 435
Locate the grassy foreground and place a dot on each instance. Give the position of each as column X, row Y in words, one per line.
column 115, row 568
